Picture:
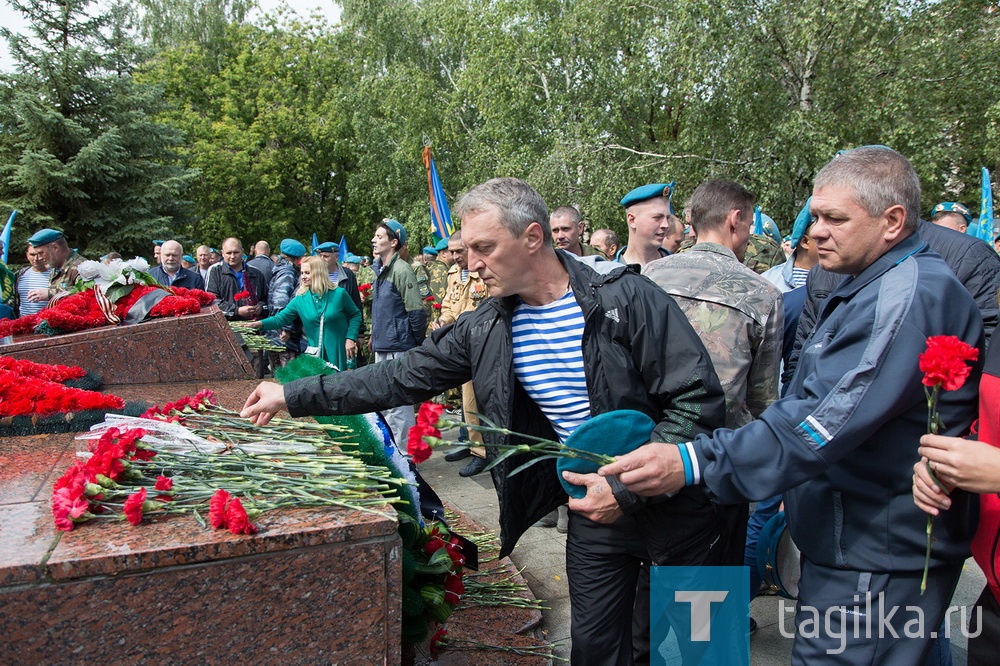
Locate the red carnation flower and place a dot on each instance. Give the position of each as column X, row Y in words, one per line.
column 217, row 508
column 436, row 306
column 133, row 506
column 944, row 363
column 453, row 589
column 67, row 507
column 430, row 415
column 237, row 518
column 418, row 449
column 163, row 483
column 241, row 295
column 437, row 641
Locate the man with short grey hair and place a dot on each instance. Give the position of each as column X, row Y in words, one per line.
column 606, row 242
column 170, row 273
column 640, row 354
column 843, row 441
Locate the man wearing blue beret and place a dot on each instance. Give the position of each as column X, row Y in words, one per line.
column 647, row 214
column 280, row 291
column 534, row 371
column 952, row 215
column 60, row 258
column 345, row 278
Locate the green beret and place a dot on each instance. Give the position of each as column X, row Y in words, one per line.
column 44, row 237
column 646, row 192
column 612, row 433
column 441, row 245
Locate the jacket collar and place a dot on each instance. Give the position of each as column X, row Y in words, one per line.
column 896, row 255
column 582, row 280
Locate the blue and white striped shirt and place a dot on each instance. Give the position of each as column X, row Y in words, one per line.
column 32, row 279
column 548, row 361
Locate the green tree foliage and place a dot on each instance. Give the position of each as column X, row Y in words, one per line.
column 299, row 126
column 80, row 148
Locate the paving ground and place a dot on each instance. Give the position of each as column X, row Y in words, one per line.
column 541, row 553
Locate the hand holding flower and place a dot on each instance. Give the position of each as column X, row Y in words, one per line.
column 961, row 463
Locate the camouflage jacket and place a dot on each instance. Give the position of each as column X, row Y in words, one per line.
column 8, row 292
column 739, row 317
column 366, row 276
column 461, row 296
column 64, row 277
column 763, row 253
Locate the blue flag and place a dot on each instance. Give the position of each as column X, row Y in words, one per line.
column 5, row 236
column 986, row 209
column 440, row 214
column 758, row 221
column 315, row 243
column 342, row 250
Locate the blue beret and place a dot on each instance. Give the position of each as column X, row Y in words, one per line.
column 803, row 221
column 327, row 247
column 188, row 258
column 441, row 245
column 612, row 433
column 397, row 229
column 769, row 227
column 952, row 207
column 292, row 247
column 158, row 243
column 429, row 250
column 44, row 237
column 646, row 192
column 214, row 250
column 352, row 258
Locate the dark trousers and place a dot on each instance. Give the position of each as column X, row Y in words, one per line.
column 836, row 626
column 603, row 564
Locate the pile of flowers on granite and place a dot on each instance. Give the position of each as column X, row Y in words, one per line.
column 104, row 295
column 433, row 569
column 38, row 389
column 193, row 457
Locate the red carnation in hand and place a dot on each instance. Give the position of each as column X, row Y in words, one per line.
column 429, row 415
column 418, row 449
column 944, row 363
column 163, row 483
column 237, row 518
column 133, row 506
column 241, row 295
column 217, row 508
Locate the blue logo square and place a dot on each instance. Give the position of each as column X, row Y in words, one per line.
column 699, row 615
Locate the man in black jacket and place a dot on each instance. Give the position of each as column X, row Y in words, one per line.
column 637, row 351
column 170, row 273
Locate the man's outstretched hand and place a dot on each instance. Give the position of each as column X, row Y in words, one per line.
column 652, row 469
column 266, row 400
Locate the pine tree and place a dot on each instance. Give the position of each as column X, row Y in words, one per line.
column 79, row 147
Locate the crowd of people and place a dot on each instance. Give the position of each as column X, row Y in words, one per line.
column 799, row 389
column 779, row 373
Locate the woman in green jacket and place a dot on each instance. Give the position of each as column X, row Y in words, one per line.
column 319, row 304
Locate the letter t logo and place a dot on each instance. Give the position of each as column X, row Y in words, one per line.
column 701, row 611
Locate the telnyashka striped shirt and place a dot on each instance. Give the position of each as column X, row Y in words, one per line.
column 548, row 361
column 32, row 279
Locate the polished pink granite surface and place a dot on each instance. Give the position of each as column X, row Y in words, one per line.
column 166, row 349
column 313, row 586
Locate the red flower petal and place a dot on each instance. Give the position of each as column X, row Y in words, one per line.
column 217, row 508
column 133, row 506
column 237, row 519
